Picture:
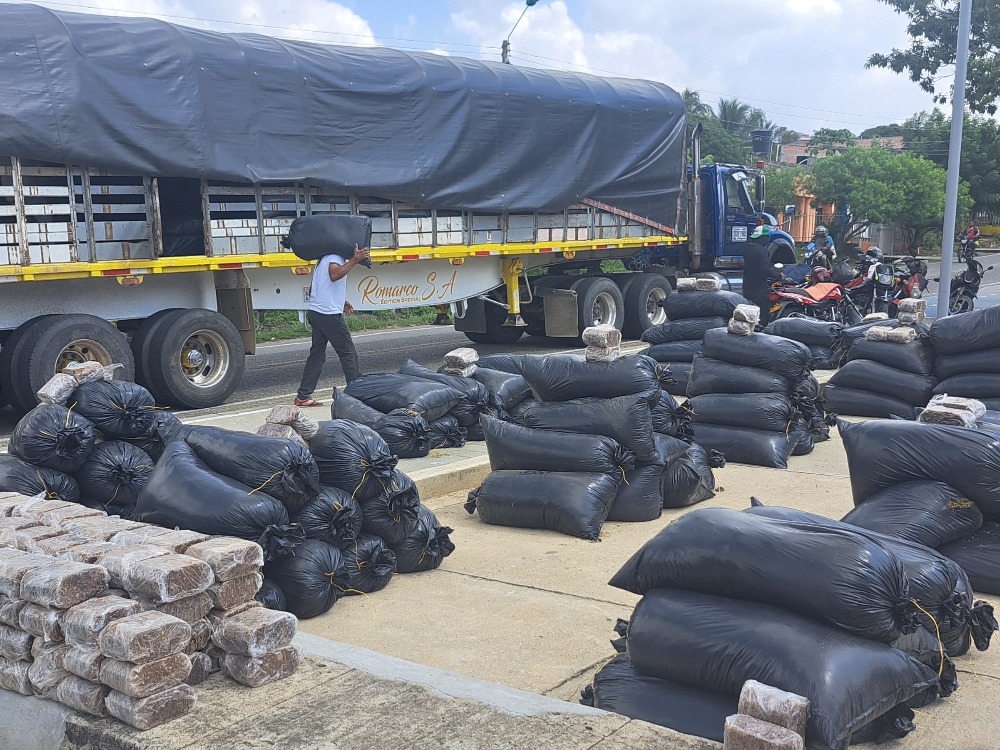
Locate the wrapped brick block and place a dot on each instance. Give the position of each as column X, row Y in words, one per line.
column 179, row 540
column 911, row 305
column 15, row 644
column 283, row 431
column 24, row 539
column 42, row 622
column 57, row 546
column 304, row 426
column 236, row 591
column 944, row 415
column 748, row 733
column 201, row 634
column 462, row 372
column 602, row 353
column 143, row 680
column 57, row 389
column 63, row 583
column 216, row 654
column 88, row 552
column 201, row 668
column 99, row 528
column 902, row 335
column 58, row 516
column 47, row 667
column 13, row 568
column 14, row 676
column 83, row 695
column 686, row 284
column 875, row 316
column 747, row 314
column 18, row 522
column 190, row 608
column 168, row 578
column 776, row 706
column 9, row 501
column 118, row 561
column 602, row 336
column 146, row 713
column 138, row 535
column 216, row 616
column 256, row 632
column 144, row 637
column 229, row 558
column 707, row 284
column 37, row 506
column 84, row 661
column 463, row 356
column 740, row 328
column 10, row 610
column 971, row 405
column 910, row 319
column 256, row 672
column 83, row 623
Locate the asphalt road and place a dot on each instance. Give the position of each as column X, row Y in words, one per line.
column 989, row 291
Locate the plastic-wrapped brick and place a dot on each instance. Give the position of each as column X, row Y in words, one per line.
column 87, row 552
column 37, row 506
column 63, row 583
column 168, row 578
column 256, row 632
column 14, row 676
column 10, row 609
column 776, row 706
column 46, row 670
column 41, row 622
column 747, row 733
column 118, row 561
column 216, row 616
column 201, row 668
column 138, row 535
column 58, row 516
column 190, row 608
column 178, row 540
column 228, row 557
column 236, row 591
column 13, row 568
column 24, row 539
column 143, row 680
column 201, row 634
column 143, row 637
column 84, row 661
column 157, row 709
column 83, row 695
column 18, row 522
column 57, row 546
column 99, row 528
column 256, row 672
column 83, row 623
column 15, row 644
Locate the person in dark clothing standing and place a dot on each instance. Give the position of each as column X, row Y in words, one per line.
column 327, row 306
column 758, row 272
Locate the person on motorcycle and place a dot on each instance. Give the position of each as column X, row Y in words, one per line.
column 971, row 235
column 758, row 272
column 872, row 257
column 821, row 251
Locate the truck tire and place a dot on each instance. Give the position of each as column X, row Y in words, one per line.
column 12, row 346
column 50, row 342
column 782, row 252
column 643, row 297
column 496, row 331
column 599, row 302
column 141, row 341
column 196, row 359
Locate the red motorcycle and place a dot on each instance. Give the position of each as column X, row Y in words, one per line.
column 820, row 298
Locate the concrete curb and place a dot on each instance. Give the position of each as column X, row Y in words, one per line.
column 30, row 723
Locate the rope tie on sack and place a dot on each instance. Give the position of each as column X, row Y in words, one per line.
column 49, row 494
column 937, row 632
column 258, row 489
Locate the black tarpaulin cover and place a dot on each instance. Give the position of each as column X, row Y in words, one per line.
column 145, row 96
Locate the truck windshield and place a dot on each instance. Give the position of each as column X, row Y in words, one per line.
column 737, row 198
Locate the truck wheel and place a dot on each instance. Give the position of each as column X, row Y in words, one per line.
column 782, row 252
column 196, row 359
column 643, row 308
column 496, row 331
column 599, row 303
column 141, row 341
column 51, row 342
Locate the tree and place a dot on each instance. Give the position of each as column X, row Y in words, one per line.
column 784, row 185
column 882, row 131
column 828, row 141
column 933, row 26
column 694, row 106
column 734, row 116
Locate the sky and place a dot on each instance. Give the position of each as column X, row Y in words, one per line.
column 801, row 61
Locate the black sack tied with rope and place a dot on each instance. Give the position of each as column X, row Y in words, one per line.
column 759, row 350
column 368, row 564
column 688, row 479
column 915, row 357
column 333, row 517
column 426, row 546
column 861, row 403
column 446, row 432
column 114, row 474
column 282, row 468
column 387, row 392
column 867, row 375
column 715, row 376
column 353, row 458
column 53, row 437
column 670, row 418
column 698, row 304
column 674, row 351
column 746, row 445
column 475, row 397
column 982, row 386
column 512, row 363
column 151, row 442
column 967, row 332
column 979, row 556
column 807, row 331
column 406, row 433
column 691, row 329
column 17, row 475
column 563, row 377
column 271, row 596
column 392, row 515
column 312, row 579
column 118, row 408
column 987, row 361
column 506, row 390
column 760, row 411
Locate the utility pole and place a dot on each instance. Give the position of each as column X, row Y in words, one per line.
column 954, row 156
column 505, row 46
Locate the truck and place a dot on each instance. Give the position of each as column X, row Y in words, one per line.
column 148, row 173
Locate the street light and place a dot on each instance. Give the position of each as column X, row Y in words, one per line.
column 505, row 46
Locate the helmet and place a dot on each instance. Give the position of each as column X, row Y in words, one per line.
column 819, row 273
column 821, row 231
column 874, row 254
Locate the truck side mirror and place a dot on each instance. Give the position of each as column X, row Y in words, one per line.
column 789, row 210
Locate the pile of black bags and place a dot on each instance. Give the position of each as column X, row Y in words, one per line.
column 968, row 355
column 825, row 340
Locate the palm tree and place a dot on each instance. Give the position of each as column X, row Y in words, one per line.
column 733, row 116
column 694, row 106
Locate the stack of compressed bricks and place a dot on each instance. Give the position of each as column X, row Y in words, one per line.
column 768, row 719
column 110, row 616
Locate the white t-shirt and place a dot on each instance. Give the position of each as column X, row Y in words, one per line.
column 327, row 297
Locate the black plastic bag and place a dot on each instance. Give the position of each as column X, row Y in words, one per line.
column 691, row 329
column 407, row 434
column 803, row 437
column 516, row 415
column 718, row 644
column 979, row 556
column 17, row 475
column 388, row 392
column 674, row 351
column 857, row 403
column 515, row 448
column 925, row 648
column 114, row 474
column 369, row 565
column 333, row 517
column 183, row 492
column 715, row 376
column 679, row 706
column 271, row 596
column 312, row 578
column 505, row 362
column 959, row 364
column 758, row 350
column 967, row 332
column 881, row 455
column 506, row 390
column 680, row 374
column 573, row 503
column 446, row 433
column 117, row 408
column 807, row 331
column 851, row 581
column 627, row 420
column 928, row 513
column 977, row 385
column 475, row 396
column 353, row 458
column 824, row 358
column 392, row 515
column 640, row 494
column 761, row 411
column 669, row 418
column 563, row 377
column 688, row 479
column 865, row 375
column 53, row 437
column 745, row 445
column 151, row 443
column 990, row 419
column 318, row 235
column 282, row 468
column 916, row 357
column 696, row 304
column 426, row 547
column 475, row 433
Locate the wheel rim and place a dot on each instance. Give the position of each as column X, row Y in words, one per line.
column 82, row 350
column 654, row 310
column 605, row 310
column 962, row 304
column 204, row 359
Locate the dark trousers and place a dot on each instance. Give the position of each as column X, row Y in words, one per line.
column 328, row 329
column 760, row 296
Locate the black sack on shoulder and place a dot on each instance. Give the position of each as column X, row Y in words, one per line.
column 874, row 377
column 114, row 474
column 388, row 392
column 979, row 556
column 807, row 331
column 881, row 455
column 696, row 304
column 774, row 353
column 745, row 445
column 967, row 332
column 392, row 515
column 425, row 547
column 916, row 357
column 851, row 582
column 333, row 517
column 312, row 579
column 53, row 437
column 475, row 396
column 928, row 513
column 117, row 408
column 977, row 385
column 515, row 448
column 716, row 643
column 369, row 565
column 760, row 411
column 446, row 432
column 506, row 390
column 572, row 503
column 563, row 377
column 959, row 364
column 691, row 329
column 407, row 434
column 715, row 376
column 674, row 351
column 17, row 475
column 688, row 479
column 318, row 235
column 271, row 596
column 282, row 468
column 353, row 458
column 858, row 403
column 184, row 493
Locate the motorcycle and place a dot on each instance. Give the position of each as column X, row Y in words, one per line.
column 965, row 286
column 816, row 256
column 879, row 287
column 819, row 298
